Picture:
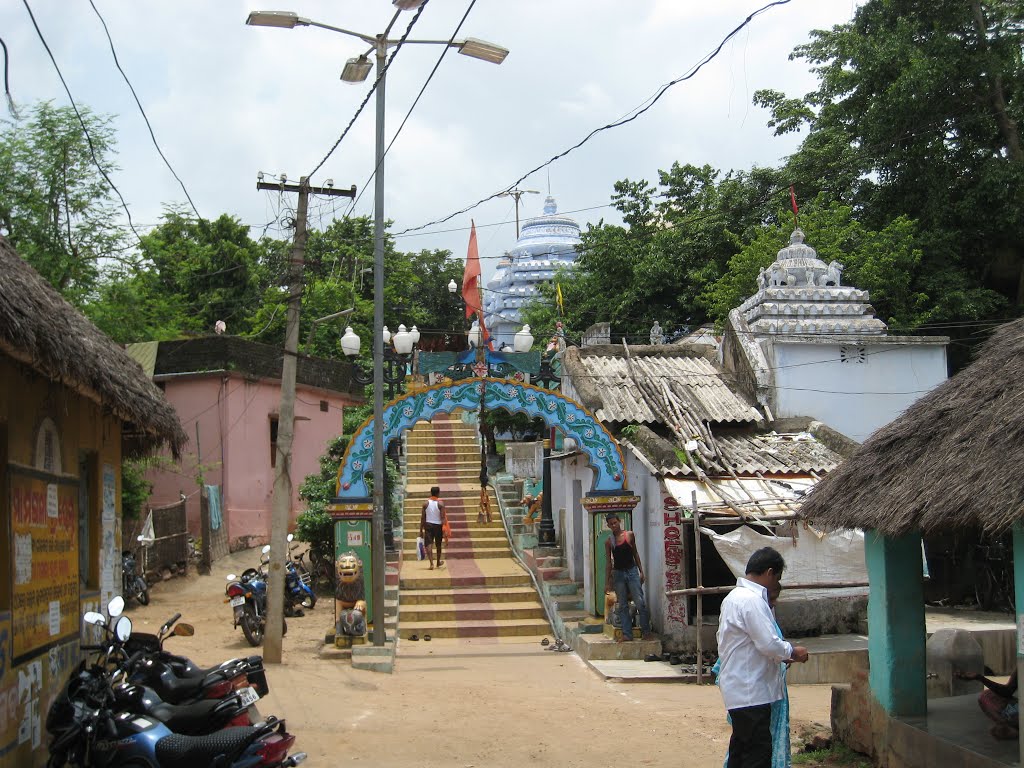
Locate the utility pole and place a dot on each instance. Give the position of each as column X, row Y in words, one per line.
column 516, row 194
column 272, row 631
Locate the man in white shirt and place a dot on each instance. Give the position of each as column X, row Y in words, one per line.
column 751, row 654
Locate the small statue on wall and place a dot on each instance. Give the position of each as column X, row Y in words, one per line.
column 657, row 335
column 833, row 274
column 762, row 280
column 350, row 597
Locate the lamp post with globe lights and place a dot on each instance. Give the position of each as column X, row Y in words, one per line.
column 356, row 70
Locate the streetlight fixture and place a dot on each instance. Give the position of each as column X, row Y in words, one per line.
column 523, row 341
column 358, row 71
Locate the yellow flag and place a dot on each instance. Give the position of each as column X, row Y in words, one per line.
column 558, row 300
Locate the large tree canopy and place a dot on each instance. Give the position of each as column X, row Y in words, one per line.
column 55, row 206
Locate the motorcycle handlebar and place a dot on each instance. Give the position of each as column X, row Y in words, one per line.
column 170, row 622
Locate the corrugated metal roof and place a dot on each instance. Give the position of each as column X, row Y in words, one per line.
column 693, row 383
column 144, row 353
column 773, row 452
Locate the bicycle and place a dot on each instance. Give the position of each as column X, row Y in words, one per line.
column 993, row 577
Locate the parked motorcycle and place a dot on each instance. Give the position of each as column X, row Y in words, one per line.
column 96, row 721
column 298, row 580
column 133, row 583
column 247, row 595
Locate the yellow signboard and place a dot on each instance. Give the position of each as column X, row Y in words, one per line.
column 44, row 518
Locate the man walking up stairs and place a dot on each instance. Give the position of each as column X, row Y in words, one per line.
column 481, row 591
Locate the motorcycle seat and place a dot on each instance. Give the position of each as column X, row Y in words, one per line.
column 177, row 690
column 181, row 751
column 196, row 719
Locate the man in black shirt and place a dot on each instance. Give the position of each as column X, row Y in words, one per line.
column 625, row 577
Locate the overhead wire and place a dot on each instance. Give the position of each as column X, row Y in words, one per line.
column 618, row 123
column 373, row 88
column 416, row 101
column 7, row 81
column 81, row 120
column 145, row 117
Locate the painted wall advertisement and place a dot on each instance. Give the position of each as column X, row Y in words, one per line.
column 675, row 562
column 44, row 518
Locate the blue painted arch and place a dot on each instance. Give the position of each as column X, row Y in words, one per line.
column 557, row 410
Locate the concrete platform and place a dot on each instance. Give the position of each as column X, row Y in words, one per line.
column 955, row 733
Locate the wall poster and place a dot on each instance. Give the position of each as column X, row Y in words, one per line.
column 44, row 521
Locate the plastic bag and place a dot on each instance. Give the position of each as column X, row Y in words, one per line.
column 421, row 549
column 446, row 530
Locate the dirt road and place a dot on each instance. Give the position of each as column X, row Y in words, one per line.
column 457, row 702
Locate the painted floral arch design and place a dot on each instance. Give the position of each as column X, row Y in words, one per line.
column 557, row 410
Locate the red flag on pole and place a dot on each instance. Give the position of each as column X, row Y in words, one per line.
column 792, row 202
column 471, row 292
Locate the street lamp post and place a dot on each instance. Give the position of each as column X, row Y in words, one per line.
column 357, row 70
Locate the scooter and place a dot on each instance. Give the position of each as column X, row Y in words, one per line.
column 298, row 580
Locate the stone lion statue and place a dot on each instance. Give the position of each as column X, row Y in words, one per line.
column 350, row 596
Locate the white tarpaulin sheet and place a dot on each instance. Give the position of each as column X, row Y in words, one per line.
column 811, row 558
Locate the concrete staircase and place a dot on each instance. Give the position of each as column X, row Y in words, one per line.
column 481, row 591
column 588, row 635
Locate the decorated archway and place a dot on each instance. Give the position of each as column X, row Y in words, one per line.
column 556, row 410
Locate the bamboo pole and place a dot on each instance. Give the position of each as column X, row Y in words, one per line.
column 699, row 590
column 700, row 580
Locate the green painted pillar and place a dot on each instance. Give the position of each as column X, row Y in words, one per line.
column 896, row 629
column 1018, row 587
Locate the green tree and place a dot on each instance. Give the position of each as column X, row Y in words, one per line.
column 915, row 115
column 56, row 208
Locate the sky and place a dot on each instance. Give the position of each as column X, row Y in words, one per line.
column 227, row 101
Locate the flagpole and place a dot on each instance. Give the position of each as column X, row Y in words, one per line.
column 792, row 202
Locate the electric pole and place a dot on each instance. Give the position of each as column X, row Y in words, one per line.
column 516, row 194
column 280, row 511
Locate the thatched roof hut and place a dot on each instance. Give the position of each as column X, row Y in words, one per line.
column 39, row 329
column 955, row 458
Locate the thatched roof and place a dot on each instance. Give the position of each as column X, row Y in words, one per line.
column 955, row 458
column 42, row 331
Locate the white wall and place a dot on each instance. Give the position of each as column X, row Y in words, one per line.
column 855, row 398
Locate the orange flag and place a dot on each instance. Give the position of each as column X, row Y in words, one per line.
column 471, row 284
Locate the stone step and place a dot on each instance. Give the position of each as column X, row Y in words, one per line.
column 569, row 602
column 600, row 646
column 553, row 573
column 561, row 587
column 413, row 581
column 471, row 612
column 475, row 628
column 474, row 553
column 468, row 595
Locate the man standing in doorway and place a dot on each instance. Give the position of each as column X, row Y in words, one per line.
column 625, row 577
column 432, row 520
column 752, row 654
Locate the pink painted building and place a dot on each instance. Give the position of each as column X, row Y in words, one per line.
column 227, row 392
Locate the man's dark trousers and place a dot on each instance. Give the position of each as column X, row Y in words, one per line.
column 751, row 742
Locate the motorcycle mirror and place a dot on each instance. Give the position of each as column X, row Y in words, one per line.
column 91, row 617
column 290, row 538
column 231, row 577
column 266, row 549
column 115, row 607
column 123, row 628
column 184, row 630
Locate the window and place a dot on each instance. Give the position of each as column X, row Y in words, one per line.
column 853, row 354
column 324, row 406
column 273, row 441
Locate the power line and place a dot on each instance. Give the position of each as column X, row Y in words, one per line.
column 444, row 52
column 139, row 104
column 81, row 120
column 622, row 121
column 380, row 76
column 7, row 81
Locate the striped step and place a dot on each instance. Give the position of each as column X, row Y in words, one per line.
column 473, row 553
column 472, row 612
column 475, row 628
column 495, row 595
column 413, row 582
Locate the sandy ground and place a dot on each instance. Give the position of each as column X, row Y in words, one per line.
column 458, row 702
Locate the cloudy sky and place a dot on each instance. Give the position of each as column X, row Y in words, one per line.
column 227, row 100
